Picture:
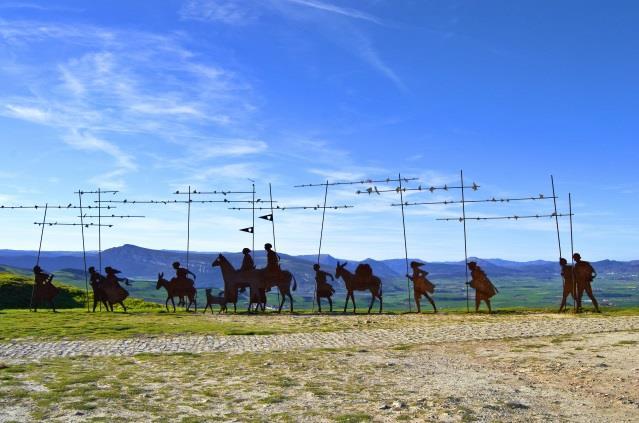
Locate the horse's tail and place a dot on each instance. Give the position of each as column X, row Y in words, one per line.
column 381, row 285
column 294, row 281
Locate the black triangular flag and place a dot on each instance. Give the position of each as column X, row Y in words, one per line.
column 267, row 217
column 249, row 230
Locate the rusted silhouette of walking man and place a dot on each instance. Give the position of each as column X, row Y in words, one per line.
column 323, row 289
column 43, row 289
column 584, row 274
column 97, row 282
column 421, row 285
column 484, row 288
column 570, row 288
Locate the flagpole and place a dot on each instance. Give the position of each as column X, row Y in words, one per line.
column 572, row 253
column 270, row 193
column 99, row 229
column 465, row 239
column 401, row 197
column 253, row 230
column 44, row 220
column 84, row 250
column 319, row 250
column 552, row 182
column 188, row 229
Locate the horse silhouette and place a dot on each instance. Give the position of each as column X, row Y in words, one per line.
column 234, row 280
column 258, row 281
column 357, row 283
column 175, row 289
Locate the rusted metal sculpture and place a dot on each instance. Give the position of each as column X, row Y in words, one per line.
column 323, row 289
column 114, row 292
column 584, row 275
column 362, row 280
column 176, row 289
column 43, row 289
column 570, row 287
column 421, row 285
column 484, row 288
column 211, row 299
column 258, row 281
column 98, row 282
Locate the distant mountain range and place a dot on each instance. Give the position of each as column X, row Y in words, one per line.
column 143, row 263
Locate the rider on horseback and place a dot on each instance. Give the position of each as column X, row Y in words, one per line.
column 273, row 270
column 247, row 261
column 182, row 274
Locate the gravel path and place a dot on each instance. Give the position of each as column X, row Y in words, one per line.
column 30, row 350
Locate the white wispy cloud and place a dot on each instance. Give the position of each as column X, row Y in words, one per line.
column 83, row 140
column 339, row 10
column 116, row 83
column 225, row 11
column 25, row 112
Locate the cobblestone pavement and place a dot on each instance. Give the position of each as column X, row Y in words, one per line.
column 31, row 350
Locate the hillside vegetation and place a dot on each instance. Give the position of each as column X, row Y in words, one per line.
column 16, row 288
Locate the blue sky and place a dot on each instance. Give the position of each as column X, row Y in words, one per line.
column 149, row 97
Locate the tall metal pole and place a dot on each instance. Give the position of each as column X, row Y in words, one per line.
column 465, row 239
column 44, row 221
column 572, row 253
column 401, row 197
column 253, row 226
column 552, row 181
column 188, row 229
column 270, row 193
column 84, row 250
column 99, row 229
column 319, row 250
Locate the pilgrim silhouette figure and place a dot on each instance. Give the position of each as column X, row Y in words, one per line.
column 323, row 289
column 247, row 261
column 421, row 285
column 570, row 282
column 484, row 288
column 43, row 289
column 97, row 282
column 114, row 291
column 585, row 275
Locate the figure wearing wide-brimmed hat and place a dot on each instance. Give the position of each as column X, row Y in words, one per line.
column 43, row 289
column 114, row 291
column 584, row 274
column 421, row 285
column 484, row 288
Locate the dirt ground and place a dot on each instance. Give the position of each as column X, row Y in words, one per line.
column 569, row 377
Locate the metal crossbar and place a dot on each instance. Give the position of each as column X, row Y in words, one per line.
column 489, row 200
column 360, row 182
column 515, row 217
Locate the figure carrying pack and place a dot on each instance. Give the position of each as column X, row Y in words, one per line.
column 484, row 288
column 421, row 285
